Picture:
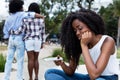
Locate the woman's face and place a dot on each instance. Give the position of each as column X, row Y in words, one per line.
column 79, row 27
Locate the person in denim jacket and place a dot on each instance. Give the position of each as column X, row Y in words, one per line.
column 83, row 33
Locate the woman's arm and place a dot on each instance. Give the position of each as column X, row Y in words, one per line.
column 96, row 69
column 42, row 31
column 68, row 69
column 21, row 28
column 6, row 30
column 39, row 16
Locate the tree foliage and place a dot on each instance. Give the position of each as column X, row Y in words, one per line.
column 110, row 20
column 1, row 30
column 59, row 10
column 116, row 4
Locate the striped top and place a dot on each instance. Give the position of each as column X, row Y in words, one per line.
column 33, row 28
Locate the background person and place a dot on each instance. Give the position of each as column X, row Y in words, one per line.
column 15, row 43
column 83, row 33
column 34, row 38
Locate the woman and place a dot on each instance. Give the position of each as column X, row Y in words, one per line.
column 34, row 39
column 34, row 30
column 83, row 33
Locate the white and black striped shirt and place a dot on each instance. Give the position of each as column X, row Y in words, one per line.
column 33, row 28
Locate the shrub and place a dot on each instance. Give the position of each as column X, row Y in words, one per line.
column 81, row 60
column 2, row 62
column 58, row 51
column 61, row 53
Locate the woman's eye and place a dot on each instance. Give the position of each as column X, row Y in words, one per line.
column 80, row 28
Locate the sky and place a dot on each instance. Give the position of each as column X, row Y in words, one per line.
column 4, row 6
column 99, row 3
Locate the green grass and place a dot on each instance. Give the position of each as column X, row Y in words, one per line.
column 59, row 52
column 2, row 63
column 2, row 58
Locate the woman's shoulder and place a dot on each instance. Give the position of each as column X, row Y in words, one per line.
column 108, row 41
column 108, row 38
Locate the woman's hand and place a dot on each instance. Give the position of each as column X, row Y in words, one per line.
column 86, row 38
column 59, row 61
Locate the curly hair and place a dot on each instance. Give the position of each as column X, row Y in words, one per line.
column 15, row 6
column 69, row 41
column 34, row 7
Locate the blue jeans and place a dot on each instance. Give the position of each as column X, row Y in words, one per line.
column 55, row 74
column 15, row 44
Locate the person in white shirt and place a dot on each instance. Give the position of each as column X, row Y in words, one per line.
column 83, row 33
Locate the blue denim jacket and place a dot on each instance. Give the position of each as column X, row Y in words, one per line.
column 14, row 21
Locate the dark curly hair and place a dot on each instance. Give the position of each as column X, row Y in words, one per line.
column 15, row 6
column 34, row 7
column 69, row 41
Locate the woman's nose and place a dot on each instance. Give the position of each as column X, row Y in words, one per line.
column 77, row 32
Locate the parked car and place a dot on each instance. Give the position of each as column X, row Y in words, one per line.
column 54, row 40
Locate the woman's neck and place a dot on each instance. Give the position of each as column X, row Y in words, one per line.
column 95, row 40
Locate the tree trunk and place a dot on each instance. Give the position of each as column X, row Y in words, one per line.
column 118, row 35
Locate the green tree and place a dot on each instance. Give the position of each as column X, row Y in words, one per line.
column 1, row 30
column 116, row 4
column 59, row 9
column 110, row 20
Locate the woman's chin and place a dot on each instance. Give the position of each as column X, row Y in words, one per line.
column 79, row 38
